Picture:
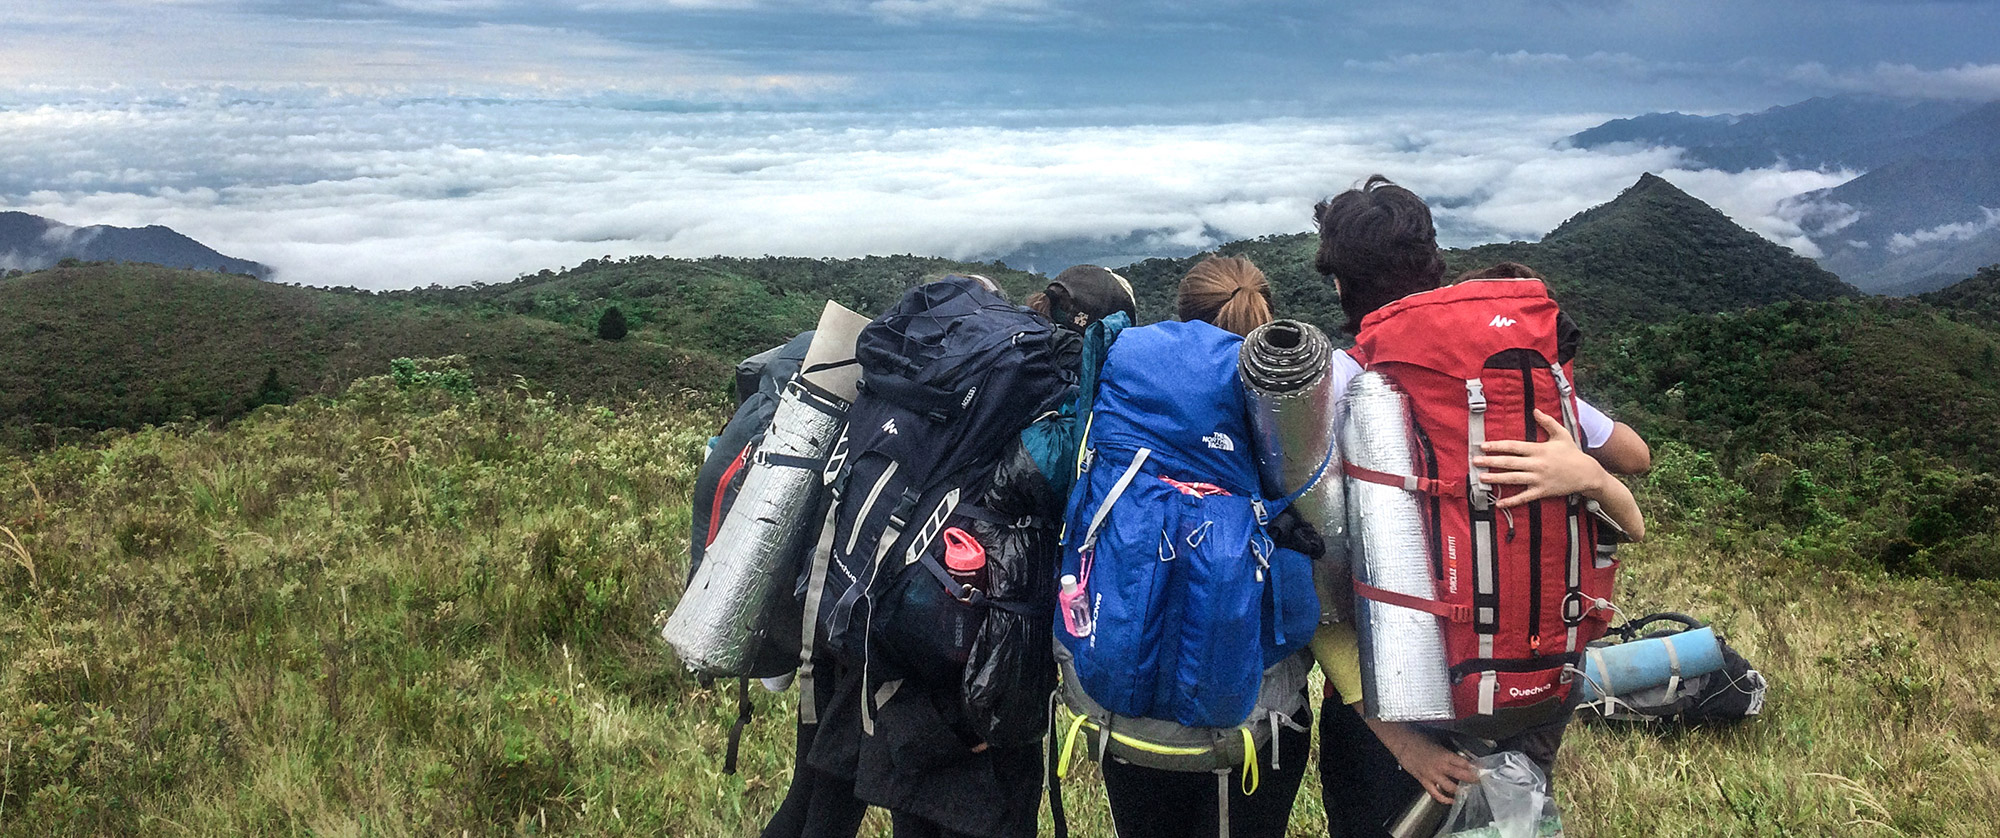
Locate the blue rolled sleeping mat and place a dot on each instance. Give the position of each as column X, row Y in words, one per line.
column 1635, row 665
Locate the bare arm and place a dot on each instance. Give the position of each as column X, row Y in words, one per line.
column 1558, row 467
column 1437, row 769
column 1625, row 452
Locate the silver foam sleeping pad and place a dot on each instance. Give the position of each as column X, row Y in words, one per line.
column 749, row 568
column 1286, row 367
column 713, row 629
column 1403, row 670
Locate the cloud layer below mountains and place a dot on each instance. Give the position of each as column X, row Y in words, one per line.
column 399, row 193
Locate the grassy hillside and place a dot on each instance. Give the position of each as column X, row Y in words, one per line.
column 410, row 612
column 123, row 345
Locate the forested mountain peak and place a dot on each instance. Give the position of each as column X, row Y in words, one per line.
column 1655, row 252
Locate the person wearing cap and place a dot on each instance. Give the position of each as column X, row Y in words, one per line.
column 1084, row 295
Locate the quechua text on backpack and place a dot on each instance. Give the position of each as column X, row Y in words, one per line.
column 1519, row 591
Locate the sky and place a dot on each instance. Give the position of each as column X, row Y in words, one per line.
column 389, row 143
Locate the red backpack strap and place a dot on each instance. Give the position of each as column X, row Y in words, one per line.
column 1407, row 482
column 722, row 491
column 1456, row 613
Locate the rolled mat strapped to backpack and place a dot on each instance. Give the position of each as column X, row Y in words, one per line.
column 732, row 601
column 1287, row 371
column 1685, row 672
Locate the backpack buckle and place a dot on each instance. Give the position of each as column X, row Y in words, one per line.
column 1263, row 517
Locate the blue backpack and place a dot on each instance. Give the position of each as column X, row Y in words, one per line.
column 1182, row 600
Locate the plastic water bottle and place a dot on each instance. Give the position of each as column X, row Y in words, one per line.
column 1075, row 607
column 964, row 558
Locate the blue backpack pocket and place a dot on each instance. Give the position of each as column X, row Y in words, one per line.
column 1291, row 605
column 1128, row 588
column 1218, row 669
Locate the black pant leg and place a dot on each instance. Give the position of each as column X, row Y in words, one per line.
column 905, row 825
column 1361, row 785
column 818, row 804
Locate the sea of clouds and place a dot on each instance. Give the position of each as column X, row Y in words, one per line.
column 383, row 192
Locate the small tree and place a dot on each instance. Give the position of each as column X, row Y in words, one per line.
column 272, row 391
column 611, row 324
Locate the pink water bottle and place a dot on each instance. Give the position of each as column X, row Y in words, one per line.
column 964, row 559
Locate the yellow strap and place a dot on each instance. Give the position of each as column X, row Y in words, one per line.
column 1069, row 747
column 1249, row 762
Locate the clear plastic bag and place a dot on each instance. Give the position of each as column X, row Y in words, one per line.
column 1511, row 800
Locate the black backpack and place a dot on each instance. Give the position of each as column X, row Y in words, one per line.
column 1731, row 694
column 759, row 380
column 950, row 377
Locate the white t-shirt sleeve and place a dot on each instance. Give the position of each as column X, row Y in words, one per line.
column 1595, row 425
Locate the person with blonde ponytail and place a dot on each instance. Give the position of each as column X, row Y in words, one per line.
column 1230, row 293
column 1226, row 291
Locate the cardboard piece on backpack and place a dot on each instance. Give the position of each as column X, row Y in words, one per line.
column 830, row 363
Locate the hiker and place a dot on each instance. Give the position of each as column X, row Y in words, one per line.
column 948, row 752
column 1083, row 295
column 1378, row 245
column 1230, row 293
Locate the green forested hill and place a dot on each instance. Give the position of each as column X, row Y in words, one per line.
column 1861, row 428
column 724, row 306
column 1979, row 294
column 1656, row 252
column 1649, row 255
column 121, row 345
column 1885, row 369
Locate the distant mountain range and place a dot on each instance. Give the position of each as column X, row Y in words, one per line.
column 31, row 242
column 1926, row 211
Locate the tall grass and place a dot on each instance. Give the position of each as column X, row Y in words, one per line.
column 406, row 611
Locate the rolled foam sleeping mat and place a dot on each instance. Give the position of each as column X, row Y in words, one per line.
column 1286, row 368
column 1626, row 668
column 719, row 623
column 1404, row 676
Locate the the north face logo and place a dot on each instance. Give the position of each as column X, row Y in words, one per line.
column 1499, row 321
column 1220, row 441
column 889, row 427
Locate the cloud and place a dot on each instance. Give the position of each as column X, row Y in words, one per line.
column 1980, row 82
column 349, row 190
column 1905, row 242
column 963, row 9
column 82, row 49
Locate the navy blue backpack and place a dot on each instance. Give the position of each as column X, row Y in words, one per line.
column 951, row 375
column 1182, row 600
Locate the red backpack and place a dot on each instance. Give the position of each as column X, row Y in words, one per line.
column 1476, row 359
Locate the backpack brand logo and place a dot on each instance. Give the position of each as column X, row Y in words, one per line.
column 1220, row 441
column 963, row 403
column 1501, row 322
column 1517, row 692
column 889, row 427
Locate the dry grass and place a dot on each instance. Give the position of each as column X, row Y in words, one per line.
column 409, row 613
